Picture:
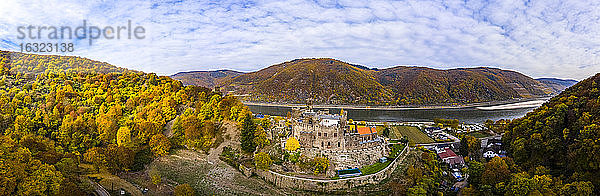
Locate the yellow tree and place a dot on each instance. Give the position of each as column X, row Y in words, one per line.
column 320, row 165
column 292, row 144
column 43, row 181
column 159, row 144
column 94, row 155
column 184, row 190
column 124, row 137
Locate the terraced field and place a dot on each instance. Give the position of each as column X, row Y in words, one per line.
column 412, row 133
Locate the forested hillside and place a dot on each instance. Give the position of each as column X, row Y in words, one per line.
column 562, row 135
column 329, row 81
column 318, row 80
column 557, row 85
column 555, row 148
column 208, row 79
column 58, row 112
column 420, row 85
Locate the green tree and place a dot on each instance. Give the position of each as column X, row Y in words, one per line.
column 260, row 137
column 469, row 146
column 475, row 171
column 262, row 161
column 578, row 189
column 496, row 171
column 248, row 128
column 470, row 190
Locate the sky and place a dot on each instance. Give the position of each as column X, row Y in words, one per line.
column 544, row 38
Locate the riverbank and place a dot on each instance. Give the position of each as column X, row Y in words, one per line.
column 526, row 104
column 493, row 105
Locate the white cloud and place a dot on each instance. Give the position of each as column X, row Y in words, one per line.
column 539, row 38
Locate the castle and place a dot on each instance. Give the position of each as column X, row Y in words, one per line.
column 346, row 146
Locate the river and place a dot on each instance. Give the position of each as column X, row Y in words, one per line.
column 466, row 114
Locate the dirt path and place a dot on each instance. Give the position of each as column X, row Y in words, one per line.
column 232, row 138
column 168, row 130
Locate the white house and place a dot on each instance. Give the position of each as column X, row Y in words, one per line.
column 490, row 154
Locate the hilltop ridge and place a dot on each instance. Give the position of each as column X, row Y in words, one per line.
column 331, row 81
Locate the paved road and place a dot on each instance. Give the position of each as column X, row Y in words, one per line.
column 99, row 189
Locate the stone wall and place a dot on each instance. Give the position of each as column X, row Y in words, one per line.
column 286, row 181
column 348, row 159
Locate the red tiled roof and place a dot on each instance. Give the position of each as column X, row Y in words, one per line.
column 456, row 160
column 447, row 153
column 366, row 130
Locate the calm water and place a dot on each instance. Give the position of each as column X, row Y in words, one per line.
column 469, row 115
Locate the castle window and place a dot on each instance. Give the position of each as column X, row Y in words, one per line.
column 338, row 144
column 322, row 144
column 325, row 134
column 328, row 144
column 319, row 134
column 334, row 134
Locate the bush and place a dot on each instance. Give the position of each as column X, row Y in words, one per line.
column 184, row 190
column 320, row 165
column 230, row 156
column 262, row 161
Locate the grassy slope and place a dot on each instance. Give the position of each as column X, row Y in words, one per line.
column 413, row 134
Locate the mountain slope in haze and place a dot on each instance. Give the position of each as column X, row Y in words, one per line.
column 330, row 81
column 208, row 79
column 555, row 84
column 563, row 135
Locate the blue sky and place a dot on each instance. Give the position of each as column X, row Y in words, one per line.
column 538, row 38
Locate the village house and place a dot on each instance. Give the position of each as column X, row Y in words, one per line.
column 492, row 147
column 449, row 157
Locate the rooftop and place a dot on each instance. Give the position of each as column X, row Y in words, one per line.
column 447, row 153
column 366, row 130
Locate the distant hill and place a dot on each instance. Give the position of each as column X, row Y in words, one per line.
column 562, row 135
column 557, row 85
column 330, row 81
column 207, row 79
column 421, row 85
column 317, row 80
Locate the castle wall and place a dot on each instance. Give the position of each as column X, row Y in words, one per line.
column 286, row 181
column 348, row 159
